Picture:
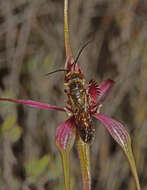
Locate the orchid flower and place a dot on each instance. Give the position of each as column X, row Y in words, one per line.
column 67, row 132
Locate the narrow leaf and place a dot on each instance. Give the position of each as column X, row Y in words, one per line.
column 121, row 136
column 34, row 104
column 65, row 136
column 83, row 149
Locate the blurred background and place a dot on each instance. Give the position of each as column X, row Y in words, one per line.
column 32, row 44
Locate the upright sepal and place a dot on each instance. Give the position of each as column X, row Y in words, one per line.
column 121, row 136
column 66, row 31
column 68, row 63
column 65, row 136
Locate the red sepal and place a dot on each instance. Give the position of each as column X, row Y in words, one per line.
column 65, row 134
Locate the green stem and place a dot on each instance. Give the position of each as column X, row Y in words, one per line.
column 66, row 168
column 66, row 30
column 84, row 154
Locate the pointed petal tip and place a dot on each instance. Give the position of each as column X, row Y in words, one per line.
column 122, row 137
column 70, row 65
column 107, row 85
column 111, row 81
column 104, row 90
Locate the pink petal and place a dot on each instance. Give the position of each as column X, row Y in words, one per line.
column 65, row 134
column 93, row 90
column 121, row 136
column 104, row 90
column 69, row 65
column 115, row 128
column 33, row 104
column 76, row 68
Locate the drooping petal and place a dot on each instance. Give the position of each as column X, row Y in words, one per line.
column 121, row 136
column 84, row 154
column 65, row 136
column 33, row 104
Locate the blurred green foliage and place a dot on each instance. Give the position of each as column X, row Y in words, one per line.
column 10, row 127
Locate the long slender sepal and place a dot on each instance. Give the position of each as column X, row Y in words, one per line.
column 65, row 136
column 66, row 30
column 84, row 154
column 34, row 104
column 121, row 136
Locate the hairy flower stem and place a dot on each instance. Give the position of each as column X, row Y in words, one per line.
column 84, row 154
